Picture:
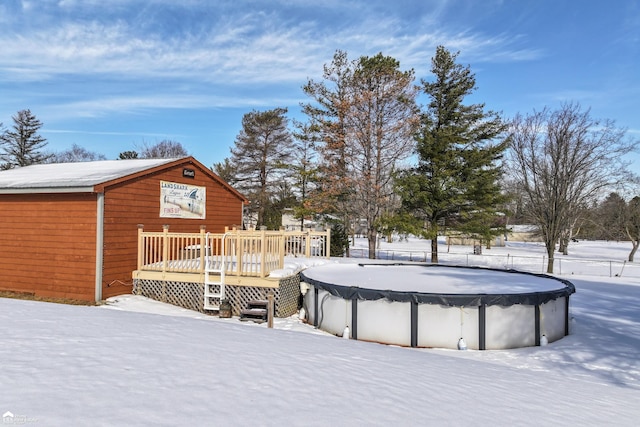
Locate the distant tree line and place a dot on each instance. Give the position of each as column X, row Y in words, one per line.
column 368, row 156
column 22, row 145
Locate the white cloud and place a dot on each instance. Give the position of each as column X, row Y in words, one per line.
column 27, row 5
column 143, row 104
column 105, row 133
column 116, row 50
column 250, row 48
column 235, row 52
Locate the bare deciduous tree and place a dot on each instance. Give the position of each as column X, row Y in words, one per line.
column 327, row 124
column 76, row 154
column 632, row 225
column 366, row 120
column 564, row 160
column 383, row 119
column 165, row 149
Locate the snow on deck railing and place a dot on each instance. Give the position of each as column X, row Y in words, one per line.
column 246, row 252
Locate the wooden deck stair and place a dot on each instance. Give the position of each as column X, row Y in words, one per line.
column 256, row 311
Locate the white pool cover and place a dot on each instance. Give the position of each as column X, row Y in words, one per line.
column 425, row 305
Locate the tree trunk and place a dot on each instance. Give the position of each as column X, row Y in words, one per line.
column 434, row 250
column 551, row 247
column 351, row 239
column 371, row 237
column 550, row 265
column 635, row 244
column 565, row 246
column 433, row 229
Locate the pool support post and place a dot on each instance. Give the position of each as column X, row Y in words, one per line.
column 566, row 316
column 482, row 327
column 315, row 306
column 414, row 323
column 354, row 318
column 536, row 309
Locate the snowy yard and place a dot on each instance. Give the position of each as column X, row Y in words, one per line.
column 140, row 362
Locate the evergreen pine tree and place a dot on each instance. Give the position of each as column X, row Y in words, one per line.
column 126, row 155
column 304, row 171
column 260, row 157
column 339, row 240
column 456, row 179
column 22, row 145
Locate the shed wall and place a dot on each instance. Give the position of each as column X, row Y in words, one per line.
column 138, row 202
column 47, row 244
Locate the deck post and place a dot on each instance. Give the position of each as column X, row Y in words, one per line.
column 270, row 310
column 140, row 246
column 263, row 251
column 281, row 247
column 165, row 247
column 239, row 263
column 203, row 247
column 307, row 245
column 328, row 242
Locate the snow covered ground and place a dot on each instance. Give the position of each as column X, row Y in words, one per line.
column 136, row 361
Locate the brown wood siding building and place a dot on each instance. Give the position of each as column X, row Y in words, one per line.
column 47, row 244
column 75, row 236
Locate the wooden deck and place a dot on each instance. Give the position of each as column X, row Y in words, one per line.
column 247, row 256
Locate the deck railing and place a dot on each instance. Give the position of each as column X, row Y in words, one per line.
column 241, row 252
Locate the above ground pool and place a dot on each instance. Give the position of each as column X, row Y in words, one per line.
column 430, row 305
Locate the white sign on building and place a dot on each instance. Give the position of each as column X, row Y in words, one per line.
column 182, row 200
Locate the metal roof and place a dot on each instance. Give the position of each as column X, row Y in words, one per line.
column 79, row 176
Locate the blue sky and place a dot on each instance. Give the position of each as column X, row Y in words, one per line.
column 113, row 75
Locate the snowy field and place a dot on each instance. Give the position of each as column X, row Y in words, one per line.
column 138, row 362
column 598, row 258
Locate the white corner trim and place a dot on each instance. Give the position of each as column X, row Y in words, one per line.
column 99, row 245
